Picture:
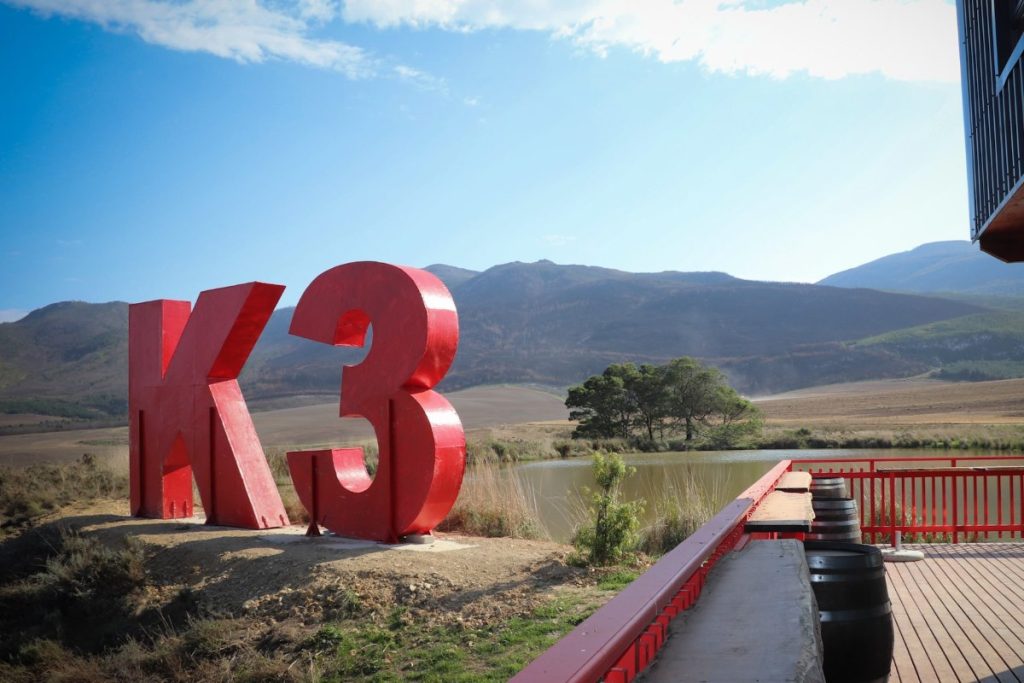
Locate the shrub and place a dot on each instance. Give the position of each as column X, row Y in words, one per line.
column 611, row 535
column 85, row 595
column 736, row 434
column 570, row 449
column 28, row 493
column 93, row 573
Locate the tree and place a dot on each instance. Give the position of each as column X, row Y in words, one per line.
column 683, row 394
column 646, row 393
column 601, row 406
column 624, row 396
column 694, row 393
column 733, row 408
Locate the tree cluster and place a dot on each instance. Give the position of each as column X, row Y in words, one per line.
column 683, row 396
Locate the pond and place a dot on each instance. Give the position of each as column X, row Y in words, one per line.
column 556, row 486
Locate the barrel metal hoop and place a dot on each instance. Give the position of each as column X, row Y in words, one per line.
column 848, row 578
column 855, row 614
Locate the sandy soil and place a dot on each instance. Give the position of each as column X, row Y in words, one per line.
column 281, row 574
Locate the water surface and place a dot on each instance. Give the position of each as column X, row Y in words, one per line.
column 557, row 485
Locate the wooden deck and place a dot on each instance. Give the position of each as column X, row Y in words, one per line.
column 959, row 614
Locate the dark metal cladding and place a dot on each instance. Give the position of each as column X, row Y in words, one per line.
column 991, row 47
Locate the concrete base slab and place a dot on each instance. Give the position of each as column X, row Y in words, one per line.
column 342, row 544
column 756, row 620
column 901, row 555
column 283, row 535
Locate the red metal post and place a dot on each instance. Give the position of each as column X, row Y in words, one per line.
column 999, row 504
column 934, row 504
column 956, row 505
column 870, row 514
column 892, row 508
column 913, row 499
column 977, row 517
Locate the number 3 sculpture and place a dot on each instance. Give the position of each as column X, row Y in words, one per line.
column 421, row 445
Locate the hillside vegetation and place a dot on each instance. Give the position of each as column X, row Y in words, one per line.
column 983, row 346
column 539, row 323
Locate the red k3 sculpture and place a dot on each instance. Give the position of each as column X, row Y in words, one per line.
column 187, row 412
column 421, row 445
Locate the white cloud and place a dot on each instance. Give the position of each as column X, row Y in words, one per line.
column 319, row 10
column 420, row 79
column 906, row 40
column 243, row 30
column 10, row 315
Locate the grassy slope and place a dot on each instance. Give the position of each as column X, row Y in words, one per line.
column 982, row 346
column 990, row 323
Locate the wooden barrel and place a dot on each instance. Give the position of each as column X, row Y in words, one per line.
column 853, row 604
column 835, row 519
column 828, row 487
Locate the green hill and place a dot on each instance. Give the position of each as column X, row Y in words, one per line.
column 982, row 346
column 529, row 323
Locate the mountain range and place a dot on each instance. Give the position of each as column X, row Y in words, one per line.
column 955, row 267
column 554, row 325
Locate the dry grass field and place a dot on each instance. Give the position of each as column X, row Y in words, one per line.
column 480, row 408
column 915, row 405
column 510, row 413
column 485, row 411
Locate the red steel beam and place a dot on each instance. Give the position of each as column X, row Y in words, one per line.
column 593, row 649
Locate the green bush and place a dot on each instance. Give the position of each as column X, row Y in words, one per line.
column 611, row 535
column 736, row 435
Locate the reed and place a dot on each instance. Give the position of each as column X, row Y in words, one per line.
column 493, row 502
column 686, row 502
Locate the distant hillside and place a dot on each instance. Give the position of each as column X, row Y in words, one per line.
column 984, row 346
column 954, row 267
column 67, row 359
column 538, row 323
column 554, row 325
column 451, row 276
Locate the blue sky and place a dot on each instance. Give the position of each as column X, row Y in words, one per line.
column 153, row 149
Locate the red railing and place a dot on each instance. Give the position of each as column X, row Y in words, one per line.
column 932, row 498
column 619, row 640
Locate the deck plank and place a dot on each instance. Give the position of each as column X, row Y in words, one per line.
column 915, row 652
column 967, row 664
column 980, row 588
column 984, row 657
column 926, row 624
column 986, row 613
column 905, row 638
column 1000, row 602
column 959, row 649
column 959, row 614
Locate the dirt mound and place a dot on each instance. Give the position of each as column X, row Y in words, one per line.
column 280, row 603
column 282, row 574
